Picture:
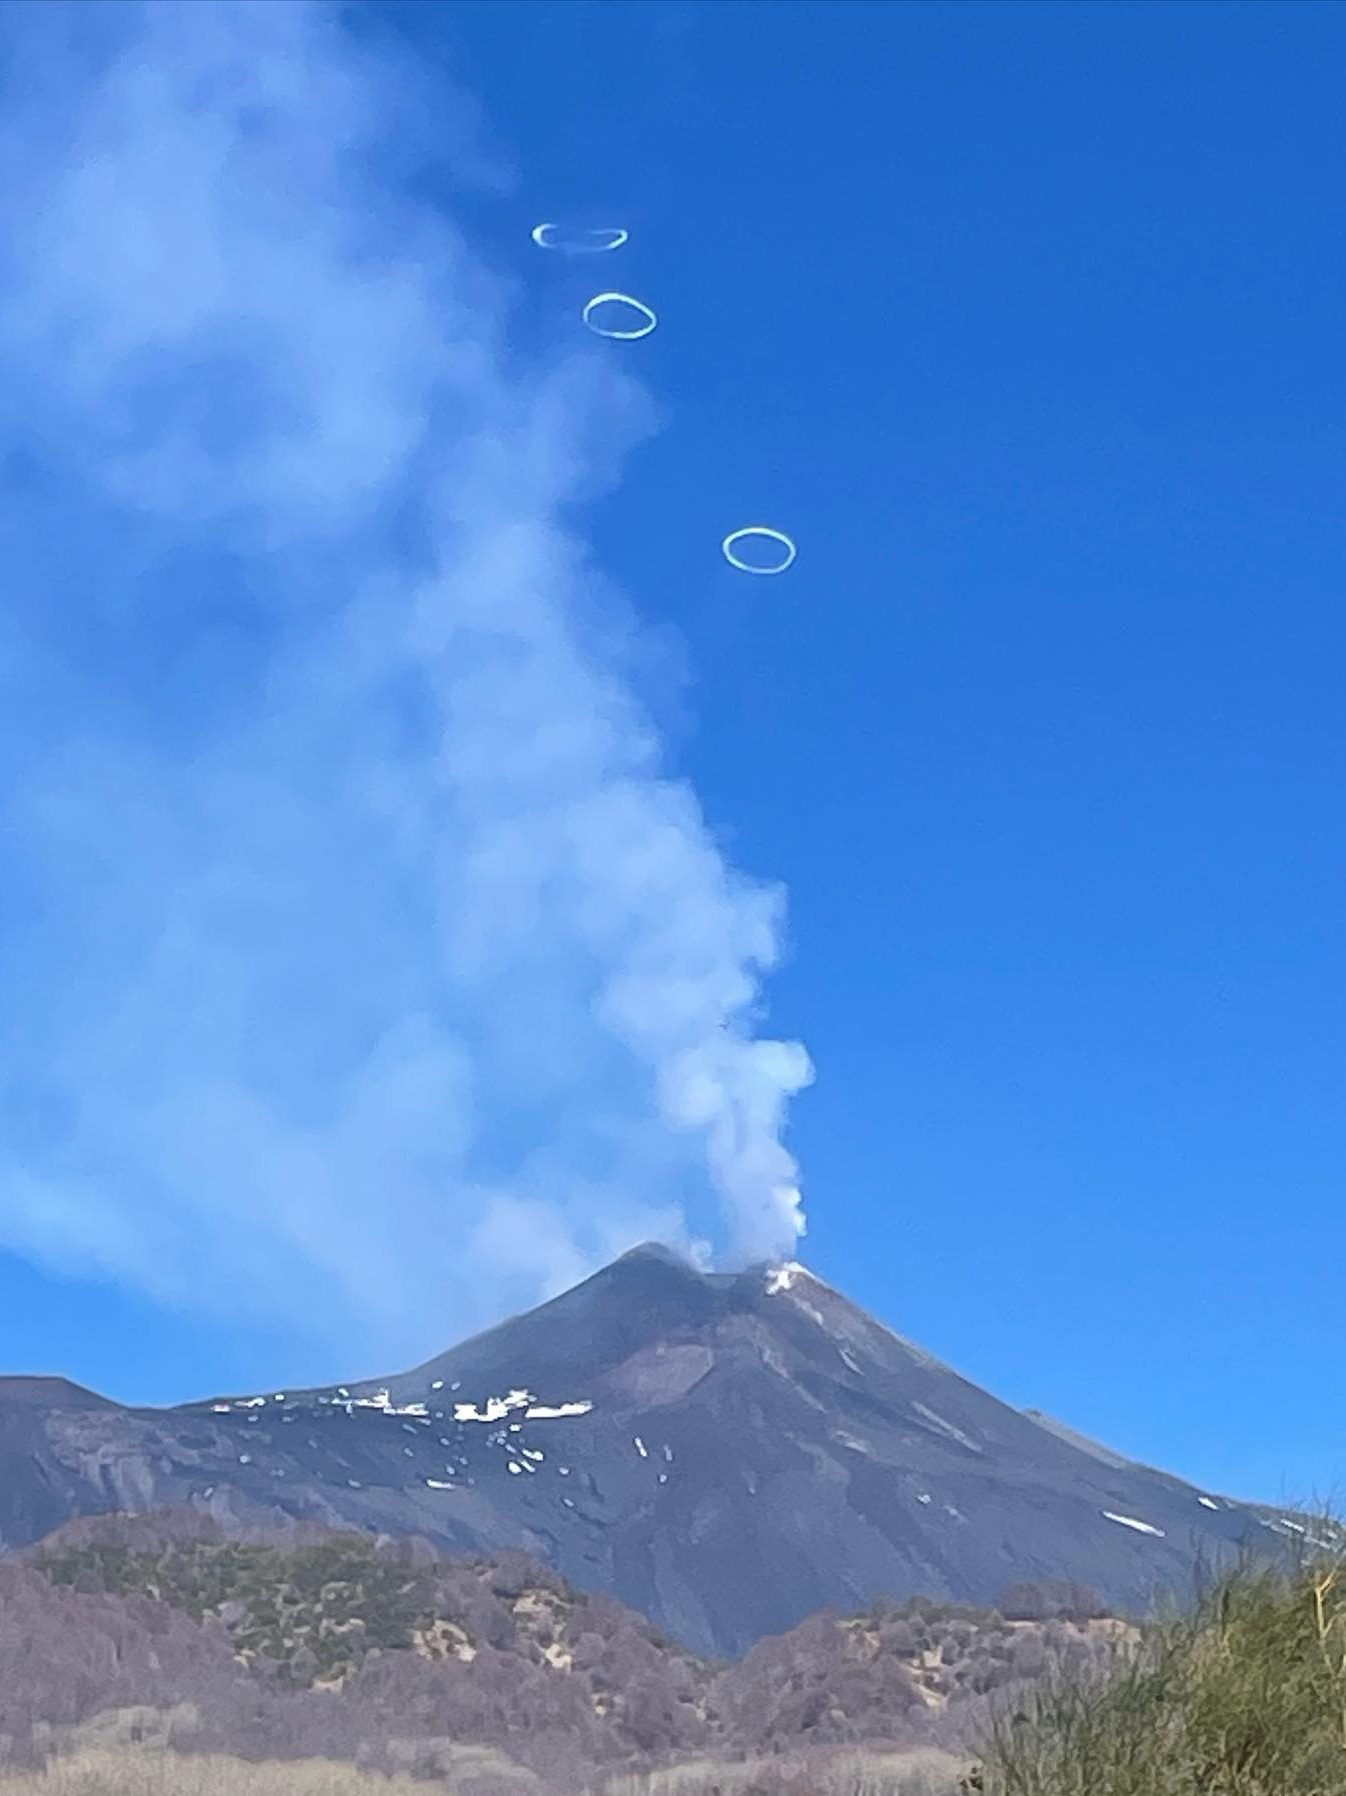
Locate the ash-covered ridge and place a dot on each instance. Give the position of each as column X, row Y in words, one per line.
column 725, row 1452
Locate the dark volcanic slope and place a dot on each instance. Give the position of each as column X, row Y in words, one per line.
column 725, row 1453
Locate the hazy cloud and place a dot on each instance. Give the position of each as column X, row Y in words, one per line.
column 367, row 967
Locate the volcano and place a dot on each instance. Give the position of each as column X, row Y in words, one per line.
column 727, row 1453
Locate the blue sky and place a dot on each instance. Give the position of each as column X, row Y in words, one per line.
column 1024, row 321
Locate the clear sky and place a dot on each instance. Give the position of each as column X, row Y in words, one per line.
column 1025, row 322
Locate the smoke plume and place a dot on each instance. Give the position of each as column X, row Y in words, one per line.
column 368, row 967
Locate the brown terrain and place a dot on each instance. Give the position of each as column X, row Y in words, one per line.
column 385, row 1654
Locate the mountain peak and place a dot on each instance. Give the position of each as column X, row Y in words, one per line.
column 785, row 1275
column 654, row 1250
column 726, row 1451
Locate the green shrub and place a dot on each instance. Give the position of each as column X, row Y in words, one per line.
column 1244, row 1696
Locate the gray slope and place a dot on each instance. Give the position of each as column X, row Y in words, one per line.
column 757, row 1448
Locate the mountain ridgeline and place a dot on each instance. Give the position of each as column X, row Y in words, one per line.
column 725, row 1454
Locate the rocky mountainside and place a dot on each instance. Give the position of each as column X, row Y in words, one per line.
column 724, row 1453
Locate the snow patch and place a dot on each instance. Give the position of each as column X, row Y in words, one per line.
column 1283, row 1525
column 1130, row 1521
column 553, row 1412
column 782, row 1278
column 856, row 1446
column 495, row 1409
column 786, row 1278
column 381, row 1401
column 1206, row 1503
column 641, row 1448
column 946, row 1427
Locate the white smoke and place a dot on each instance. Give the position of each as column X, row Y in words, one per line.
column 370, row 970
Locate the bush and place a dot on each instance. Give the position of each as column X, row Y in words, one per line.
column 1245, row 1696
column 1051, row 1598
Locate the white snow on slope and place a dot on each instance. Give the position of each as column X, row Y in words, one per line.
column 782, row 1278
column 1129, row 1521
column 496, row 1408
column 946, row 1427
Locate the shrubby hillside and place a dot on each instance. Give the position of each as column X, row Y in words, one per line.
column 388, row 1655
column 140, row 1657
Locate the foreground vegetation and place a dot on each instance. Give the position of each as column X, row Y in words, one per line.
column 386, row 1653
column 144, row 1771
column 154, row 1659
column 140, row 1771
column 1244, row 1696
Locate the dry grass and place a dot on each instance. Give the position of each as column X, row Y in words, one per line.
column 462, row 1768
column 145, row 1769
column 130, row 1752
column 137, row 1771
column 920, row 1771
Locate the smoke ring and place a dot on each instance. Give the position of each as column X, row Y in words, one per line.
column 759, row 531
column 579, row 240
column 625, row 299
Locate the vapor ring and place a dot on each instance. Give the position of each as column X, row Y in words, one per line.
column 625, row 299
column 758, row 530
column 579, row 240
